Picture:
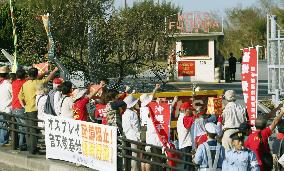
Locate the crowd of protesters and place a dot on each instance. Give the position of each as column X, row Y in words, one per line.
column 216, row 142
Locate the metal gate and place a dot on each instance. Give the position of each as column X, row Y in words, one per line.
column 275, row 56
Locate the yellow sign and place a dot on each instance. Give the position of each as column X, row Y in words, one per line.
column 214, row 105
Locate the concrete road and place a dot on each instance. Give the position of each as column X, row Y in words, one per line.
column 4, row 167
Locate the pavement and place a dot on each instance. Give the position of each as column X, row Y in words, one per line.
column 14, row 160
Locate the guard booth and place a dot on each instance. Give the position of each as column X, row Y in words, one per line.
column 196, row 47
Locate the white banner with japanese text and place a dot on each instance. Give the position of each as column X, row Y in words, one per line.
column 89, row 144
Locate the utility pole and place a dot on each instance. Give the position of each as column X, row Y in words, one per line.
column 125, row 4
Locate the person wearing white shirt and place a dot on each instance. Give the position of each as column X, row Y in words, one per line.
column 233, row 115
column 131, row 126
column 5, row 103
column 57, row 97
column 41, row 97
column 66, row 101
column 151, row 134
column 54, row 97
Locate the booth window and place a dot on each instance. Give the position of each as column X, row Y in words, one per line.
column 195, row 48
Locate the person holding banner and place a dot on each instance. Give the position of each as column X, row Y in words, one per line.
column 131, row 126
column 145, row 99
column 27, row 98
column 184, row 123
column 233, row 115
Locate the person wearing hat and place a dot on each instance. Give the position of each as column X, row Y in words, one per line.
column 258, row 141
column 199, row 125
column 17, row 108
column 184, row 123
column 5, row 103
column 148, row 131
column 240, row 158
column 210, row 154
column 54, row 97
column 131, row 126
column 145, row 99
column 81, row 99
column 233, row 115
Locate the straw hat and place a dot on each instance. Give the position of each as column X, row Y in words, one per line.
column 145, row 99
column 130, row 101
column 78, row 93
column 4, row 70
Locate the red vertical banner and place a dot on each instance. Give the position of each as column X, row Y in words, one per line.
column 250, row 82
column 161, row 115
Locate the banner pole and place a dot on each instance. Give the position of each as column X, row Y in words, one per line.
column 14, row 65
column 257, row 74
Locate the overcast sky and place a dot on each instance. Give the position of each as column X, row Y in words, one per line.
column 203, row 5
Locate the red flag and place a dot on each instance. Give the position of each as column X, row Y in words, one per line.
column 160, row 114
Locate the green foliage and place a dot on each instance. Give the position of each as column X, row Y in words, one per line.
column 241, row 32
column 136, row 38
column 124, row 41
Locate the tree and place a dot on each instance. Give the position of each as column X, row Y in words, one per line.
column 69, row 21
column 136, row 38
column 241, row 32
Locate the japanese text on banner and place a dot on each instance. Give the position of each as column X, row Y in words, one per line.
column 249, row 82
column 89, row 144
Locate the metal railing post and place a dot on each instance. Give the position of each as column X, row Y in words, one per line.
column 124, row 152
column 14, row 134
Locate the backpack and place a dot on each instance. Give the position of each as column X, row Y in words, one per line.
column 266, row 157
column 49, row 105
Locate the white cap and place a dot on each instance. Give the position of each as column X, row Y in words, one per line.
column 230, row 95
column 145, row 99
column 211, row 128
column 130, row 101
